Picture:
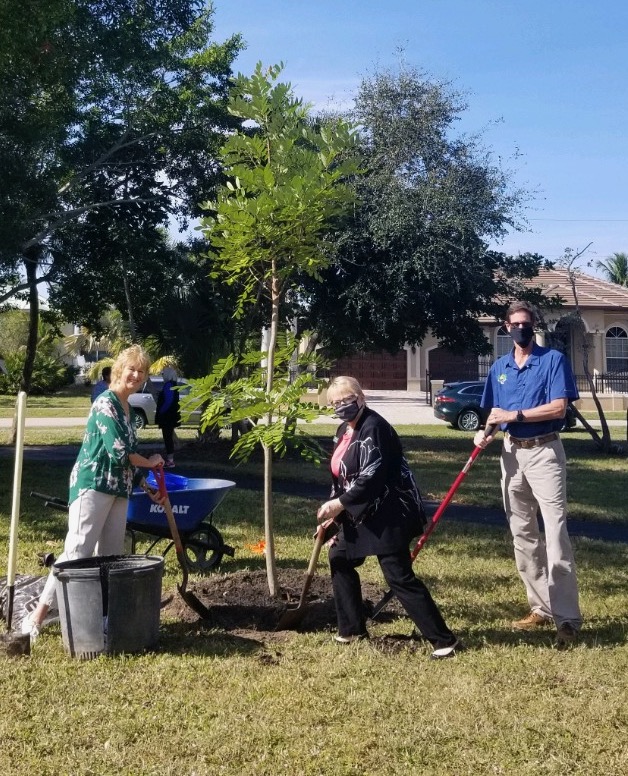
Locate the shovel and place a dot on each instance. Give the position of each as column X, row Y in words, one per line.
column 388, row 595
column 291, row 618
column 190, row 599
column 15, row 643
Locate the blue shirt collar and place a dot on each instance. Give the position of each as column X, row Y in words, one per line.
column 533, row 358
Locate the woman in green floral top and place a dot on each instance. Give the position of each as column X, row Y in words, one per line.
column 102, row 478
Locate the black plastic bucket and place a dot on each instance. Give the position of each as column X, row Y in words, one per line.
column 109, row 604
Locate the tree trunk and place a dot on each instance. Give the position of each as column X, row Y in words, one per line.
column 129, row 302
column 33, row 322
column 30, row 265
column 604, row 441
column 269, row 535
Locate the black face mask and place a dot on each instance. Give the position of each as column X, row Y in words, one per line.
column 522, row 336
column 348, row 412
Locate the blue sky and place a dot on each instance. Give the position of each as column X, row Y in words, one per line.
column 545, row 78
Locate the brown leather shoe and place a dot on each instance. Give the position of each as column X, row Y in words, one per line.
column 530, row 622
column 566, row 636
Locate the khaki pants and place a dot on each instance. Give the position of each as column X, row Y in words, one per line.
column 96, row 526
column 534, row 479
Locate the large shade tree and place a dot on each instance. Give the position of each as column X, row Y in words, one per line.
column 413, row 256
column 110, row 118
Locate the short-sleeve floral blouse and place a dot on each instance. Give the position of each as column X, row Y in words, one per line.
column 103, row 460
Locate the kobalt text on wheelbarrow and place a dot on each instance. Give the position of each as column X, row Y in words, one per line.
column 193, row 501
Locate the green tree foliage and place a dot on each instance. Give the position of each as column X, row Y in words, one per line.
column 13, row 331
column 190, row 314
column 412, row 257
column 49, row 371
column 286, row 186
column 110, row 118
column 615, row 268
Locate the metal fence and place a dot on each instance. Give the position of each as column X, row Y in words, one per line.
column 611, row 382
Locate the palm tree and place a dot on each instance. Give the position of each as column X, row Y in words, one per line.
column 113, row 336
column 615, row 268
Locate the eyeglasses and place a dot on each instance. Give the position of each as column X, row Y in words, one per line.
column 520, row 324
column 342, row 402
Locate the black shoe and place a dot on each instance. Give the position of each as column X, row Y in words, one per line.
column 566, row 636
column 441, row 653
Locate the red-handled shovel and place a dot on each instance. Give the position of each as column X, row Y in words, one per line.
column 190, row 599
column 388, row 595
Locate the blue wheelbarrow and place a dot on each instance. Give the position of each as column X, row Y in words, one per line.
column 194, row 502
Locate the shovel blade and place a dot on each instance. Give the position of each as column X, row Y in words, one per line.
column 291, row 618
column 194, row 603
column 15, row 644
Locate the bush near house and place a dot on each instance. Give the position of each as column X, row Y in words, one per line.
column 49, row 374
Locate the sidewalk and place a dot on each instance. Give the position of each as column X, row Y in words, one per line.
column 398, row 407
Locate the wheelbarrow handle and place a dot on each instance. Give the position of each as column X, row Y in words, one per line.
column 50, row 501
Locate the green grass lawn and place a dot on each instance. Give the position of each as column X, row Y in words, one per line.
column 211, row 702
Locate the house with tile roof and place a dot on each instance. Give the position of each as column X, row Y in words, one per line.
column 603, row 342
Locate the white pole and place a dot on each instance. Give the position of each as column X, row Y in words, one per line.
column 17, row 487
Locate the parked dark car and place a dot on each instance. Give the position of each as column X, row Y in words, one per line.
column 459, row 404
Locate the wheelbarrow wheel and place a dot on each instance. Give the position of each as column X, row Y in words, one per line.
column 202, row 549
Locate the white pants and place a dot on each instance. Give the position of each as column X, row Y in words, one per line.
column 531, row 479
column 96, row 526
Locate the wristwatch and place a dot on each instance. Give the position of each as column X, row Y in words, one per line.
column 520, row 417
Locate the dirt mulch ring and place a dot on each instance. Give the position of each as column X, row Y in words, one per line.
column 241, row 606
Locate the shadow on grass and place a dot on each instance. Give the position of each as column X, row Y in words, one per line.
column 205, row 639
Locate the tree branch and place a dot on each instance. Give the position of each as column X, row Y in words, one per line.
column 70, row 214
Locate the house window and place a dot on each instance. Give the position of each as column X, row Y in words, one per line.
column 504, row 342
column 616, row 349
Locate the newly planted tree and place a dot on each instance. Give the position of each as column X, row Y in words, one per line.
column 270, row 226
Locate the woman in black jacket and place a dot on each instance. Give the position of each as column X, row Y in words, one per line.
column 377, row 504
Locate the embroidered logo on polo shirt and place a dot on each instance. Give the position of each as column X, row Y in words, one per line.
column 501, row 379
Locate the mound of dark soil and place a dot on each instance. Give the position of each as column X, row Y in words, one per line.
column 240, row 604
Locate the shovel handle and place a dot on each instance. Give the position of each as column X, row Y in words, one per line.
column 160, row 479
column 388, row 595
column 309, row 576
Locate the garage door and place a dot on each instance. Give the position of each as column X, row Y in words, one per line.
column 445, row 365
column 375, row 371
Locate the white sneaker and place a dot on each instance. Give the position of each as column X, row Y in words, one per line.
column 445, row 652
column 30, row 628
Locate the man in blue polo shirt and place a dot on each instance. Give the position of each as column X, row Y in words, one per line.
column 528, row 391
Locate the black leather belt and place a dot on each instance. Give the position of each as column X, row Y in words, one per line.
column 526, row 444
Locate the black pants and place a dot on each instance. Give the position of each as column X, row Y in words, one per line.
column 411, row 592
column 167, row 433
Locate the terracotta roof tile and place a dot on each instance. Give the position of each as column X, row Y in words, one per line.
column 592, row 292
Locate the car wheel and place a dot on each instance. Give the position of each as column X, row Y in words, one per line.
column 140, row 419
column 469, row 420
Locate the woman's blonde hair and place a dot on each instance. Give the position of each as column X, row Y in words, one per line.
column 342, row 382
column 135, row 355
